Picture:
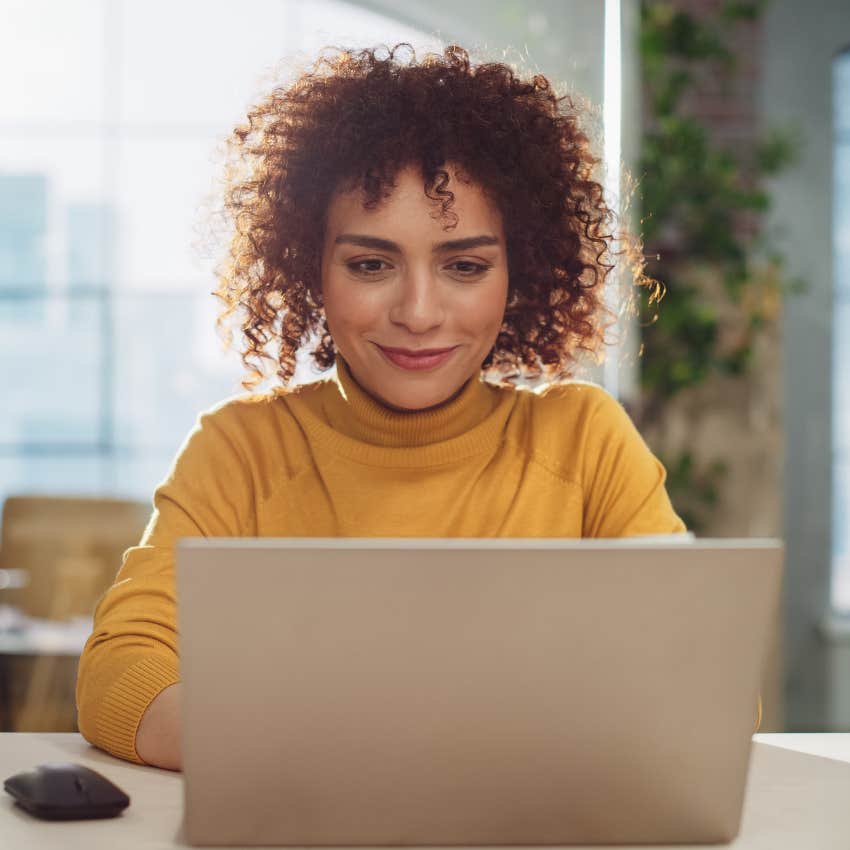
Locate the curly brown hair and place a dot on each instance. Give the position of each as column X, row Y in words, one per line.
column 355, row 118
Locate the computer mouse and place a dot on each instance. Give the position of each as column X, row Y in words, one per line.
column 65, row 791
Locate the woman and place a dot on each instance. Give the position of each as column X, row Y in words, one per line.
column 431, row 224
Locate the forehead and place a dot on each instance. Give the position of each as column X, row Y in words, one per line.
column 408, row 209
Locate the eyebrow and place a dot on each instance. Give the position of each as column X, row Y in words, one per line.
column 386, row 245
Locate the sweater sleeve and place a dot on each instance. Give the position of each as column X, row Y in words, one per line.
column 131, row 654
column 623, row 482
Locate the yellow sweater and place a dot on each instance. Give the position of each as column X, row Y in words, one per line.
column 327, row 460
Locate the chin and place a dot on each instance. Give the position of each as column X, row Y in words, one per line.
column 412, row 403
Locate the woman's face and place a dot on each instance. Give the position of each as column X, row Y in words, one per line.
column 392, row 278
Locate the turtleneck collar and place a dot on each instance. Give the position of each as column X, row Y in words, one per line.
column 355, row 413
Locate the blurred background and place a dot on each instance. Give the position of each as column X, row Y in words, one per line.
column 725, row 129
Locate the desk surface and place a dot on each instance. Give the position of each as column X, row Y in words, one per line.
column 798, row 792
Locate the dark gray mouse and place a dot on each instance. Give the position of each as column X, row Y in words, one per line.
column 65, row 791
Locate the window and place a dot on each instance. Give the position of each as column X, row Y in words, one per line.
column 108, row 347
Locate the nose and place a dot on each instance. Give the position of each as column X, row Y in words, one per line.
column 418, row 304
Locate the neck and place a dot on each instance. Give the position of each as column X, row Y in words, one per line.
column 410, row 410
column 364, row 416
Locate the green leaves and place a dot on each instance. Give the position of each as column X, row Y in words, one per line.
column 702, row 209
column 667, row 32
column 778, row 150
column 694, row 488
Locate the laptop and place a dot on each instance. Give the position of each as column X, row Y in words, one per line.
column 470, row 691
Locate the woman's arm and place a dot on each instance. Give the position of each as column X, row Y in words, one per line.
column 158, row 736
column 129, row 665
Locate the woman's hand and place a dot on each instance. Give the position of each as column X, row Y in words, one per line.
column 158, row 735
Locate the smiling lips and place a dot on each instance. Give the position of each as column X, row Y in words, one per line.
column 424, row 358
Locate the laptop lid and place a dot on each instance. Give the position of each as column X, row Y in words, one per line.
column 362, row 691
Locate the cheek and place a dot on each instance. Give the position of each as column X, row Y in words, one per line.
column 488, row 311
column 347, row 305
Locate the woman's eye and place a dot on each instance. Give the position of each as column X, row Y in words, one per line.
column 372, row 268
column 466, row 268
column 366, row 267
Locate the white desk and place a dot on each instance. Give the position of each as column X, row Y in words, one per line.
column 798, row 796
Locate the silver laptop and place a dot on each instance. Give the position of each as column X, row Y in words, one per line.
column 377, row 691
